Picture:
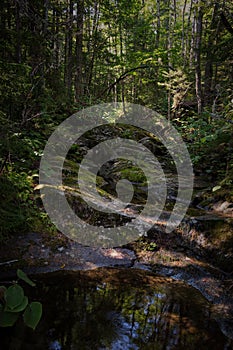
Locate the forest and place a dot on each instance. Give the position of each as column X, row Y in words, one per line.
column 58, row 57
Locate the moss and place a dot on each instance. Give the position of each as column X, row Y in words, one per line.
column 103, row 193
column 134, row 174
column 143, row 244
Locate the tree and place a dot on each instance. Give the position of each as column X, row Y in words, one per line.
column 198, row 16
column 79, row 82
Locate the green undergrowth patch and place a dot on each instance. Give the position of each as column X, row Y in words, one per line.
column 20, row 207
column 134, row 174
column 143, row 244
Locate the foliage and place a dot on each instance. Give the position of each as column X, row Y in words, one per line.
column 58, row 57
column 134, row 174
column 145, row 244
column 209, row 141
column 14, row 190
column 20, row 207
column 14, row 303
column 177, row 84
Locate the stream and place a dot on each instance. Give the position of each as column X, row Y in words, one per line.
column 117, row 309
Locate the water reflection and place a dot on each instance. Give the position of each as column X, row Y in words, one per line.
column 117, row 309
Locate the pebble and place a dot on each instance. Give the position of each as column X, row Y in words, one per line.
column 60, row 249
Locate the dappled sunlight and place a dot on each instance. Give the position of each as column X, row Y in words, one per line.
column 114, row 253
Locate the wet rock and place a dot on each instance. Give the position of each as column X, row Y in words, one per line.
column 229, row 211
column 221, row 206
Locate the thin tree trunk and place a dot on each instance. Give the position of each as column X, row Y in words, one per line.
column 46, row 16
column 157, row 44
column 94, row 45
column 170, row 30
column 122, row 58
column 56, row 41
column 197, row 54
column 212, row 39
column 190, row 40
column 183, row 33
column 18, row 30
column 158, row 28
column 79, row 51
column 69, row 50
column 174, row 12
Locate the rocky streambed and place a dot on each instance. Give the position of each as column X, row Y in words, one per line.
column 170, row 255
column 199, row 252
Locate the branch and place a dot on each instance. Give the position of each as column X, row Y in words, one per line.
column 122, row 77
column 26, row 120
column 226, row 23
column 3, row 165
column 126, row 73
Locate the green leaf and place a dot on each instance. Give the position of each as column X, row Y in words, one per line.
column 14, row 296
column 7, row 319
column 216, row 188
column 22, row 275
column 32, row 314
column 19, row 308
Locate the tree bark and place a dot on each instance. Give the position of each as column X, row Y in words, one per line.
column 94, row 44
column 197, row 54
column 158, row 27
column 79, row 51
column 18, row 33
column 212, row 39
column 184, row 51
column 69, row 50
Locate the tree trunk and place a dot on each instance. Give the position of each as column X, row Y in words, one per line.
column 69, row 50
column 170, row 31
column 94, row 44
column 190, row 35
column 197, row 54
column 55, row 44
column 18, row 33
column 212, row 39
column 184, row 47
column 158, row 26
column 79, row 51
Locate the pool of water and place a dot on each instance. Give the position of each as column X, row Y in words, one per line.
column 116, row 309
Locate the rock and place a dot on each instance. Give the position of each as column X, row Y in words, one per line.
column 220, row 207
column 55, row 345
column 228, row 211
column 60, row 249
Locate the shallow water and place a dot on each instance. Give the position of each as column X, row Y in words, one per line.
column 117, row 309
